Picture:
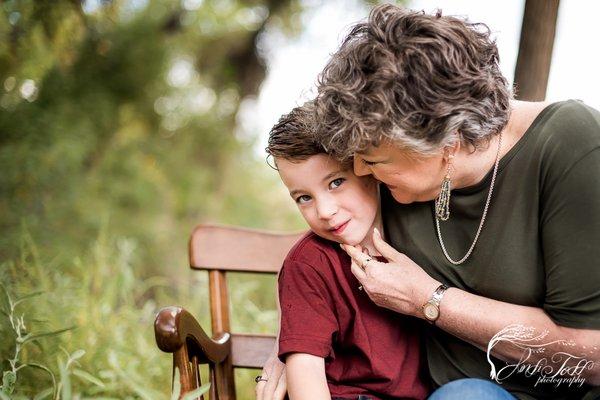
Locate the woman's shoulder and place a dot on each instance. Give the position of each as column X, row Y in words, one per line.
column 565, row 132
column 570, row 121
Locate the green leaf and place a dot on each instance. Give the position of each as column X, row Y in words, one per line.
column 6, row 292
column 65, row 383
column 27, row 296
column 40, row 366
column 189, row 395
column 88, row 377
column 9, row 378
column 44, row 368
column 196, row 392
column 43, row 394
column 176, row 385
column 77, row 354
column 29, row 337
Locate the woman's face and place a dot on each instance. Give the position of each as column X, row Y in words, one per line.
column 409, row 177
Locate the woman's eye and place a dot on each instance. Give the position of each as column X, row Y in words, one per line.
column 369, row 163
column 336, row 183
column 302, row 199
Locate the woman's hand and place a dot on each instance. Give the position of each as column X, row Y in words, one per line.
column 275, row 386
column 400, row 285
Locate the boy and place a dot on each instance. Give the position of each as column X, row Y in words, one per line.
column 335, row 342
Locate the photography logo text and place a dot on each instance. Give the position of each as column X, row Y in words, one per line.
column 549, row 362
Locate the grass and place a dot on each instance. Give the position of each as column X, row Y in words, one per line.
column 85, row 329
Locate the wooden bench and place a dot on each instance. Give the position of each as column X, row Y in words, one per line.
column 219, row 249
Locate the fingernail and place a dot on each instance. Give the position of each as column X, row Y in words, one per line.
column 376, row 231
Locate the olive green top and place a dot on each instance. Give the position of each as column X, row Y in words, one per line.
column 539, row 247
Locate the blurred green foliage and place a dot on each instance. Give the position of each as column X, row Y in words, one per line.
column 116, row 137
column 128, row 114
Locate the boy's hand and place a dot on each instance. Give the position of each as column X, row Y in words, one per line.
column 275, row 386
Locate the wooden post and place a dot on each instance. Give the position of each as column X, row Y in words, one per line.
column 535, row 49
column 219, row 313
column 196, row 374
column 181, row 361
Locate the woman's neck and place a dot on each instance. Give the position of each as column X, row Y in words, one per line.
column 471, row 167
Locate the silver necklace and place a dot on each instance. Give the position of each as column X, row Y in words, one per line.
column 485, row 210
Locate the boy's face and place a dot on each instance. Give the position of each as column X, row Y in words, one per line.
column 336, row 204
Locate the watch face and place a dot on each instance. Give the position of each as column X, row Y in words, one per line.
column 431, row 311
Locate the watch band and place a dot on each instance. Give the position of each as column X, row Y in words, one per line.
column 437, row 295
column 431, row 309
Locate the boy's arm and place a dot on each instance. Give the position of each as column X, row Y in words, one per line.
column 306, row 378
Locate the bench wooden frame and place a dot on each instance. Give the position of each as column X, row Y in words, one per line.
column 218, row 249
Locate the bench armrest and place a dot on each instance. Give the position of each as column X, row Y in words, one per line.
column 174, row 327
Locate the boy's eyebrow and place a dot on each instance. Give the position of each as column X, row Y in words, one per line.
column 294, row 192
column 332, row 174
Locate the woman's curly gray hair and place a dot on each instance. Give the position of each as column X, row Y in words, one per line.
column 415, row 79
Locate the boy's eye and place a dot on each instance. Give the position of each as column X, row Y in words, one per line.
column 336, row 183
column 302, row 199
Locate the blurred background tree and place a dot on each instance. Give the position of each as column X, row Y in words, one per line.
column 117, row 136
column 126, row 112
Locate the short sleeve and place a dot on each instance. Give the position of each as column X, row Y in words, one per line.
column 308, row 322
column 571, row 244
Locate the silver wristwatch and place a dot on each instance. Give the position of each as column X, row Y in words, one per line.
column 431, row 309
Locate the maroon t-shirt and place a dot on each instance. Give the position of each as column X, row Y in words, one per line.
column 368, row 350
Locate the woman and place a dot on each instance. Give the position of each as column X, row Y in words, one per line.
column 492, row 207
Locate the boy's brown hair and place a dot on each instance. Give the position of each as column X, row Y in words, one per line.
column 293, row 136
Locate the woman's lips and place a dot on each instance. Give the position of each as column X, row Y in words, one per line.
column 340, row 228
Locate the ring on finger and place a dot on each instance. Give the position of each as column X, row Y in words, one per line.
column 364, row 263
column 259, row 378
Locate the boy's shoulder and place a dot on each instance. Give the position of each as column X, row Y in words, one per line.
column 313, row 250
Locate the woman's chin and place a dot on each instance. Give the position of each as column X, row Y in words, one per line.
column 402, row 198
column 408, row 198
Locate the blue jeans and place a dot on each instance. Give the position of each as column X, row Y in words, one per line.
column 471, row 389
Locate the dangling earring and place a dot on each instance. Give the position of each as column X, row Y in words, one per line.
column 442, row 203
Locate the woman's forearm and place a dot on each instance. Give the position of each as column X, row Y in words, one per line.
column 477, row 320
column 403, row 286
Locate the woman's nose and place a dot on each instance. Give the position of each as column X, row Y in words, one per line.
column 360, row 168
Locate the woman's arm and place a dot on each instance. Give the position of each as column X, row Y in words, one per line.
column 403, row 286
column 306, row 378
column 477, row 319
column 274, row 383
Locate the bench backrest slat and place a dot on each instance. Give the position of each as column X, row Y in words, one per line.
column 214, row 247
